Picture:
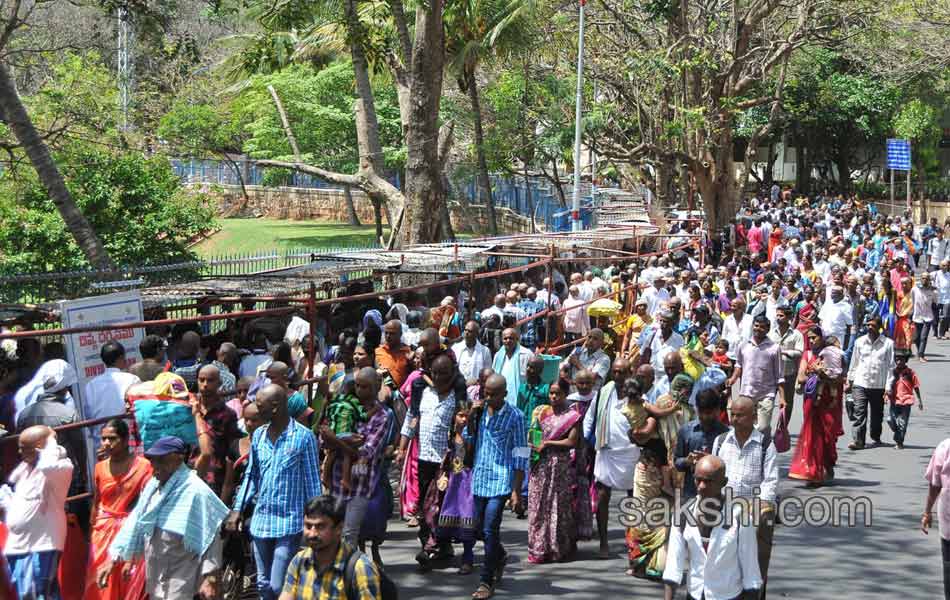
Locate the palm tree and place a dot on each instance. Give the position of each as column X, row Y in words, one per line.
column 476, row 31
column 14, row 114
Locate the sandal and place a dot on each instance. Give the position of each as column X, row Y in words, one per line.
column 466, row 569
column 483, row 592
column 413, row 521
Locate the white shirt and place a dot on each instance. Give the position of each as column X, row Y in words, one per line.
column 586, row 291
column 872, row 364
column 942, row 282
column 618, row 430
column 721, row 572
column 924, row 299
column 745, row 468
column 548, row 299
column 836, row 318
column 472, row 360
column 36, row 514
column 104, row 396
column 938, row 250
column 659, row 349
column 736, row 332
column 493, row 310
column 655, row 298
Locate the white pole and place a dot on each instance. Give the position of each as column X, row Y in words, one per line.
column 579, row 103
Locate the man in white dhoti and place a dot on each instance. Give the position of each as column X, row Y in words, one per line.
column 616, row 458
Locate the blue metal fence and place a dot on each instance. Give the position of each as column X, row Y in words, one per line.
column 512, row 193
column 223, row 173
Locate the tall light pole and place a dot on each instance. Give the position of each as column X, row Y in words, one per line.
column 579, row 105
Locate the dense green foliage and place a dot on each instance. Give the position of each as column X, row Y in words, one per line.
column 137, row 206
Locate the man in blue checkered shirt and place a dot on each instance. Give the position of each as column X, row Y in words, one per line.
column 501, row 459
column 531, row 307
column 283, row 475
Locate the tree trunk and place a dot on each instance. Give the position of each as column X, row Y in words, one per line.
column 245, row 199
column 556, row 180
column 530, row 198
column 18, row 120
column 447, row 233
column 485, row 196
column 716, row 182
column 367, row 125
column 378, row 218
column 424, row 193
column 351, row 216
column 844, row 170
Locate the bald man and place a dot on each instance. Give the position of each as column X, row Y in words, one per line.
column 616, row 458
column 187, row 363
column 217, row 427
column 497, row 432
column 36, row 514
column 364, row 448
column 283, row 474
column 733, row 570
column 226, row 360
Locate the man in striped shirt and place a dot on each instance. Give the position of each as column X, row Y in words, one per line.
column 282, row 472
column 501, row 459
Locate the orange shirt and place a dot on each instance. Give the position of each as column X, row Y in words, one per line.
column 398, row 362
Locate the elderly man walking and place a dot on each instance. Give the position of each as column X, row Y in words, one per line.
column 751, row 467
column 35, row 513
column 616, row 459
column 720, row 558
column 176, row 526
column 511, row 361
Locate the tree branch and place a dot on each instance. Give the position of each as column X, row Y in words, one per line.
column 283, row 119
column 331, row 176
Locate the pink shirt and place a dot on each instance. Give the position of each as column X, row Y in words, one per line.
column 938, row 474
column 576, row 320
column 36, row 513
column 755, row 240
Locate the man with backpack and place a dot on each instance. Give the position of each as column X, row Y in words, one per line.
column 752, row 472
column 326, row 564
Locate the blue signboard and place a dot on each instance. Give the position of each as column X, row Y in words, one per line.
column 898, row 155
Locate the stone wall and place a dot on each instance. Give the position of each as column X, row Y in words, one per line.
column 307, row 204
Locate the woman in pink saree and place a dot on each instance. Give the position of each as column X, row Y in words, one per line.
column 552, row 529
column 410, row 504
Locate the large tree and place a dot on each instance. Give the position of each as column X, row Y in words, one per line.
column 374, row 34
column 673, row 76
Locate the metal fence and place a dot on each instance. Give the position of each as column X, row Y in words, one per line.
column 224, row 173
column 37, row 288
column 537, row 197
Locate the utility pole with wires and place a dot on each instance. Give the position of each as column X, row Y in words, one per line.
column 578, row 126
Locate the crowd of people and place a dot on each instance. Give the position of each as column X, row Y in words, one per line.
column 548, row 397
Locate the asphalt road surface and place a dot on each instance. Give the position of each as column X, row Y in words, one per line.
column 890, row 559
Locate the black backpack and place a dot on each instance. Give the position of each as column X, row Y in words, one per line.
column 387, row 589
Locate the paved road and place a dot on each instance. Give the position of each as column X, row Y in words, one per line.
column 889, row 559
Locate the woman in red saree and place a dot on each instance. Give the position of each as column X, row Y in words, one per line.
column 821, row 376
column 775, row 238
column 904, row 326
column 118, row 481
column 552, row 529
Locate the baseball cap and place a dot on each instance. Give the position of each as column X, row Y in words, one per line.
column 164, row 446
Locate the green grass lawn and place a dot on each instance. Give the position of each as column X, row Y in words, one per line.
column 258, row 235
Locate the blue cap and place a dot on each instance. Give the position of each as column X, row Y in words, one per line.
column 164, row 446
